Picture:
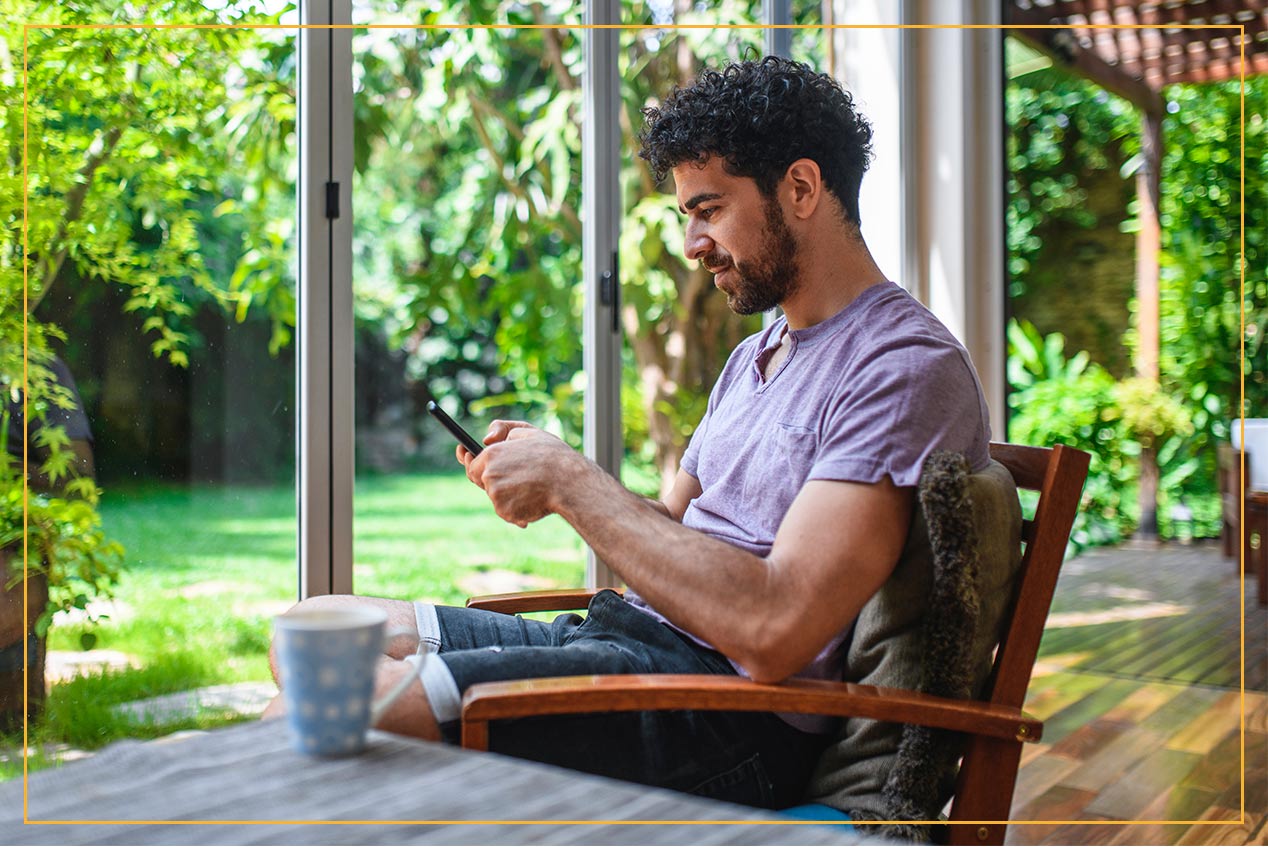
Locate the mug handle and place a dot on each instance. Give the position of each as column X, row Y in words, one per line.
column 380, row 706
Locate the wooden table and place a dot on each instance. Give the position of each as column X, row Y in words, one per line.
column 244, row 785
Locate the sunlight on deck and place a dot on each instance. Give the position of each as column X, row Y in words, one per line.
column 1143, row 705
column 1123, row 613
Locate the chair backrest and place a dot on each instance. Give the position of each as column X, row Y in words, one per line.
column 988, row 772
column 1058, row 474
column 1251, row 435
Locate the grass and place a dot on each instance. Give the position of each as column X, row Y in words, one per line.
column 208, row 567
column 420, row 537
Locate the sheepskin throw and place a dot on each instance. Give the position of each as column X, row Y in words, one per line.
column 932, row 627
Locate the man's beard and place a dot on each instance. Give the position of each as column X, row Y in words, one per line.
column 763, row 283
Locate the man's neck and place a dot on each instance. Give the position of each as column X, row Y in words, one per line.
column 834, row 271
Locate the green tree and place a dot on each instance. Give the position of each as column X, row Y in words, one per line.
column 1061, row 129
column 468, row 147
column 1201, row 311
column 468, row 236
column 1065, row 134
column 112, row 140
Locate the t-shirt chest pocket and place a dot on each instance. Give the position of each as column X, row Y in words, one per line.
column 795, row 447
column 776, row 469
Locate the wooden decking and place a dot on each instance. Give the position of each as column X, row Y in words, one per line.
column 1139, row 683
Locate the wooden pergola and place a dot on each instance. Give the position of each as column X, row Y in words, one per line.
column 1133, row 48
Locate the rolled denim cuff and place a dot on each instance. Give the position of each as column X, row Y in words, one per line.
column 428, row 627
column 441, row 690
column 438, row 683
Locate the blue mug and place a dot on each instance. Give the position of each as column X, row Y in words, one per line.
column 327, row 659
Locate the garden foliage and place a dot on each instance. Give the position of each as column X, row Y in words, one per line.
column 105, row 137
column 1066, row 132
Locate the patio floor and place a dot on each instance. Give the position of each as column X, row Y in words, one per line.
column 1139, row 686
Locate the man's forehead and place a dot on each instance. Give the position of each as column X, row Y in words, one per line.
column 695, row 182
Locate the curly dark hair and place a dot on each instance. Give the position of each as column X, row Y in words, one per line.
column 760, row 117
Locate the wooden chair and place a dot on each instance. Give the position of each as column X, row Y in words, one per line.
column 1231, row 491
column 995, row 727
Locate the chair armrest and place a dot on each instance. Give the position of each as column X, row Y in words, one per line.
column 553, row 600
column 638, row 692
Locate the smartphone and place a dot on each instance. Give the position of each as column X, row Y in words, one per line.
column 464, row 438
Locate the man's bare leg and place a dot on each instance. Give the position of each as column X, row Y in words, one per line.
column 411, row 714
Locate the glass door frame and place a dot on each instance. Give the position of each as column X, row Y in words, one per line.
column 324, row 465
column 969, row 296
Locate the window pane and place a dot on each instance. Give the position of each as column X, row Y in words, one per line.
column 809, row 43
column 467, row 286
column 161, row 218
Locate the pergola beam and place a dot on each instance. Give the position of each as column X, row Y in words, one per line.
column 1151, row 42
column 1060, row 46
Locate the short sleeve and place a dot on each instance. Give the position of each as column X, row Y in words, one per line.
column 910, row 400
column 691, row 457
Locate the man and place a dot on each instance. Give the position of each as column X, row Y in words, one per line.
column 794, row 496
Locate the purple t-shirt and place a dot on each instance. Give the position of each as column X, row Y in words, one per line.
column 870, row 392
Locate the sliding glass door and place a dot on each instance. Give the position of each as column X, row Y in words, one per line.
column 466, row 285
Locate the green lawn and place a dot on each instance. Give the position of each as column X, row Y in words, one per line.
column 208, row 567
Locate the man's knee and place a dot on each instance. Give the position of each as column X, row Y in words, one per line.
column 401, row 622
column 323, row 602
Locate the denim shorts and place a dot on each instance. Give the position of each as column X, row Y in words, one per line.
column 753, row 758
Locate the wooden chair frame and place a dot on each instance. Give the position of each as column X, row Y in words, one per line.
column 996, row 727
column 1231, row 493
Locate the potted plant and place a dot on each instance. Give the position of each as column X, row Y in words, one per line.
column 52, row 526
column 1150, row 417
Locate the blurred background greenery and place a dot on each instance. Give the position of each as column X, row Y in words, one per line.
column 1072, row 153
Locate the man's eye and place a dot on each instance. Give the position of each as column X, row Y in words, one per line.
column 707, row 212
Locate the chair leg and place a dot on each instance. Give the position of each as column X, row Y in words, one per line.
column 1257, row 563
column 1256, row 524
column 1245, row 559
column 984, row 791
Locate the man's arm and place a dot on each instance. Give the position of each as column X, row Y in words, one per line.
column 685, row 489
column 835, row 548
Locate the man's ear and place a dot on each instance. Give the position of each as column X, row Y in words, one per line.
column 804, row 186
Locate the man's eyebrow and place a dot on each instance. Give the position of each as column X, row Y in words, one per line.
column 696, row 201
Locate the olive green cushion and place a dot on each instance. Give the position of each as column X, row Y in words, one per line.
column 887, row 646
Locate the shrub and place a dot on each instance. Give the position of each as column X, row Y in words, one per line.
column 1057, row 399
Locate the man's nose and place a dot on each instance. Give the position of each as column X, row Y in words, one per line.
column 697, row 243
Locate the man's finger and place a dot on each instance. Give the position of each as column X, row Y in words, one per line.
column 475, row 469
column 500, row 430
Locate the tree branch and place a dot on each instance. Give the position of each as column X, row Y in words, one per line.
column 480, row 110
column 7, row 77
column 554, row 51
column 686, row 59
column 645, row 180
column 50, row 265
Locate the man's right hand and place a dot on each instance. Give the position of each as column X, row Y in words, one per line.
column 522, row 470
